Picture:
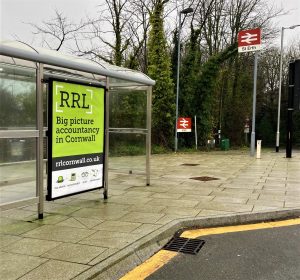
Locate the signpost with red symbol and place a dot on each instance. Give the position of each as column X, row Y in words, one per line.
column 250, row 41
column 184, row 124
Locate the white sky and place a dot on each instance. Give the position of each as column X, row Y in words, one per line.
column 15, row 13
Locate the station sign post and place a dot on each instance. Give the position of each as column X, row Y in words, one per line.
column 250, row 41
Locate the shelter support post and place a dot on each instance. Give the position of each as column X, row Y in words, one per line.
column 105, row 192
column 148, row 138
column 40, row 140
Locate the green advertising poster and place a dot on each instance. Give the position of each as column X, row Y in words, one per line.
column 76, row 134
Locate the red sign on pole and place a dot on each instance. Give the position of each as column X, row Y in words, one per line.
column 184, row 125
column 249, row 40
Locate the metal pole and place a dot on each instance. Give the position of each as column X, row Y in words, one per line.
column 252, row 152
column 196, row 136
column 40, row 140
column 177, row 82
column 148, row 136
column 290, row 110
column 106, row 150
column 279, row 92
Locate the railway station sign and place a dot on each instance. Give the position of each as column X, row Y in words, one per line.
column 249, row 40
column 184, row 125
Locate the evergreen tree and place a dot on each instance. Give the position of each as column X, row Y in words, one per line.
column 189, row 76
column 159, row 69
column 203, row 99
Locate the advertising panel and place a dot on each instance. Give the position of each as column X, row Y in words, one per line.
column 75, row 139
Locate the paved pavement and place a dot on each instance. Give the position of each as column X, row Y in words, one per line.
column 83, row 234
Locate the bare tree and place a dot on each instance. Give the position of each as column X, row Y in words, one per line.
column 107, row 33
column 57, row 31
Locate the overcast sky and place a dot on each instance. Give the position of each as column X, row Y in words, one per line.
column 16, row 13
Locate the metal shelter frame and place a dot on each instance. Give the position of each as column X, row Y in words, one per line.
column 54, row 64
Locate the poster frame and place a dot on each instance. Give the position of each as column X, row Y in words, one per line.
column 50, row 135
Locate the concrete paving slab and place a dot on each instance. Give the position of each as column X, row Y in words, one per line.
column 59, row 233
column 130, row 200
column 241, row 185
column 89, row 222
column 76, row 253
column 199, row 198
column 259, row 208
column 14, row 266
column 272, row 185
column 292, row 204
column 227, row 207
column 106, row 254
column 295, row 194
column 80, row 222
column 54, row 269
column 238, row 195
column 273, row 191
column 145, row 229
column 203, row 191
column 71, row 222
column 110, row 239
column 166, row 219
column 264, row 202
column 18, row 227
column 103, row 214
column 7, row 221
column 167, row 195
column 135, row 193
column 146, row 209
column 118, row 226
column 31, row 247
column 18, row 214
column 205, row 213
column 49, row 219
column 272, row 197
column 6, row 240
column 230, row 199
column 173, row 202
column 145, row 218
column 181, row 211
column 54, row 208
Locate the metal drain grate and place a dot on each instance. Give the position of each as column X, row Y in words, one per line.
column 204, row 178
column 184, row 245
column 190, row 164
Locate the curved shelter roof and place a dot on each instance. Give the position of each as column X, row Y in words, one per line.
column 16, row 49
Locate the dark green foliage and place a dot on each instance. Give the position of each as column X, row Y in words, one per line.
column 203, row 98
column 237, row 99
column 189, row 76
column 159, row 69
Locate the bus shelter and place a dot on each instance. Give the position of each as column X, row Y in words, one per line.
column 26, row 74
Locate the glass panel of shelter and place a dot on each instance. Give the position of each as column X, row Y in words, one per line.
column 127, row 128
column 17, row 126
